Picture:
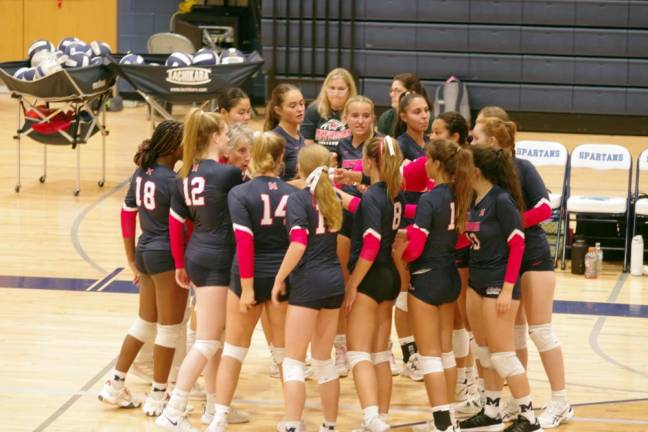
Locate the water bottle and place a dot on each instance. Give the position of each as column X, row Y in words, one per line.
column 578, row 251
column 599, row 259
column 591, row 265
column 636, row 256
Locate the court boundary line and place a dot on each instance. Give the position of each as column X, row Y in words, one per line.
column 72, row 400
column 106, row 280
column 74, row 231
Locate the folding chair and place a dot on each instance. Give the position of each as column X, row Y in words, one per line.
column 599, row 189
column 640, row 200
column 166, row 43
column 550, row 159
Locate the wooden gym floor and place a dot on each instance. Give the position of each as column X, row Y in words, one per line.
column 66, row 303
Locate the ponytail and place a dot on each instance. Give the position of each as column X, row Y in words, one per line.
column 498, row 167
column 166, row 139
column 386, row 153
column 457, row 163
column 267, row 154
column 199, row 125
column 313, row 165
column 503, row 132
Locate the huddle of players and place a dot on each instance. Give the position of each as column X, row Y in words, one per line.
column 256, row 242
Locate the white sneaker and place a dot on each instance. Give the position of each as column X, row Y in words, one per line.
column 376, row 424
column 281, row 426
column 178, row 424
column 510, row 410
column 467, row 407
column 428, row 426
column 234, row 417
column 274, row 368
column 118, row 397
column 411, row 369
column 216, row 427
column 155, row 403
column 556, row 413
column 341, row 361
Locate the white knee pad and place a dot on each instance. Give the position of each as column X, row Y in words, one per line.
column 207, row 347
column 278, row 354
column 448, row 360
column 460, row 343
column 507, row 364
column 543, row 337
column 484, row 356
column 519, row 336
column 143, row 331
column 293, row 370
column 235, row 352
column 429, row 364
column 324, row 370
column 167, row 335
column 380, row 357
column 356, row 357
column 401, row 301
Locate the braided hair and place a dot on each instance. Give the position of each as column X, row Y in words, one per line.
column 166, row 139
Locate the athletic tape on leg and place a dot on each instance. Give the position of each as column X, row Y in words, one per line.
column 401, row 301
column 460, row 343
column 143, row 331
column 520, row 335
column 507, row 364
column 293, row 370
column 543, row 337
column 429, row 364
column 324, row 370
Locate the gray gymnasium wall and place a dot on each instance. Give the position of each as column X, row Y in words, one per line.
column 560, row 56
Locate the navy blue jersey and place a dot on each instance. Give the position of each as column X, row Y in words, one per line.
column 492, row 222
column 410, row 149
column 435, row 214
column 320, row 257
column 290, row 154
column 348, row 156
column 202, row 197
column 533, row 191
column 259, row 208
column 379, row 216
column 150, row 193
column 324, row 131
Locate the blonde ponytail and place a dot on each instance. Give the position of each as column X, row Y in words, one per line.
column 315, row 157
column 198, row 127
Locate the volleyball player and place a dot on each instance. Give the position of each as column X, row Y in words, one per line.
column 234, row 105
column 401, row 83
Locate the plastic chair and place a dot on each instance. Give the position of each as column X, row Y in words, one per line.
column 167, row 43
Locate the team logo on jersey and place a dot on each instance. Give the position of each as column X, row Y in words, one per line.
column 273, row 186
column 493, row 291
column 188, row 76
column 331, row 132
column 149, row 171
column 482, row 212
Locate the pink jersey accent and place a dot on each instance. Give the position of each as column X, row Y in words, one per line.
column 370, row 247
column 415, row 178
column 516, row 252
column 177, row 239
column 128, row 222
column 410, row 211
column 190, row 227
column 462, row 242
column 357, row 166
column 245, row 253
column 354, row 204
column 538, row 214
column 416, row 238
column 299, row 235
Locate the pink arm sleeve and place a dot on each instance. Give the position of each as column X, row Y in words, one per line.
column 540, row 213
column 370, row 246
column 416, row 238
column 128, row 222
column 245, row 252
column 410, row 211
column 190, row 227
column 516, row 252
column 177, row 239
column 415, row 175
column 299, row 235
column 354, row 204
column 462, row 242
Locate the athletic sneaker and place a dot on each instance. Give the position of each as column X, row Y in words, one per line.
column 155, row 403
column 234, row 417
column 467, row 407
column 274, row 368
column 216, row 427
column 429, row 427
column 480, row 422
column 376, row 424
column 118, row 397
column 555, row 413
column 411, row 369
column 509, row 410
column 324, row 428
column 178, row 424
column 522, row 424
column 281, row 426
column 341, row 361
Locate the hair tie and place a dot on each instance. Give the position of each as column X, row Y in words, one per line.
column 313, row 178
column 390, row 145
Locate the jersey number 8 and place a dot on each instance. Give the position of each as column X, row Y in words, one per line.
column 398, row 213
